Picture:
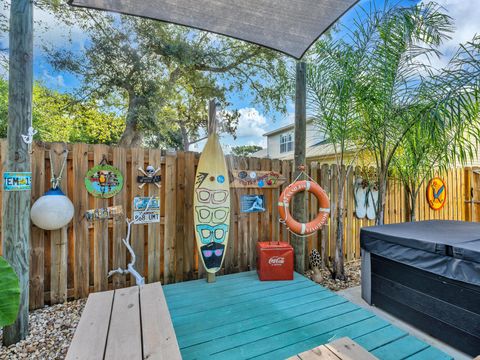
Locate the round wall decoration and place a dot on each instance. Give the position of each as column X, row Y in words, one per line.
column 436, row 193
column 104, row 181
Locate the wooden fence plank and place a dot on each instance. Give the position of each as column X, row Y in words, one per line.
column 170, row 219
column 81, row 246
column 350, row 236
column 154, row 234
column 37, row 254
column 189, row 244
column 137, row 237
column 100, row 232
column 180, row 217
column 119, row 251
column 59, row 238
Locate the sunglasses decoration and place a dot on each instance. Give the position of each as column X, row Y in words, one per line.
column 212, row 215
column 216, row 197
column 209, row 234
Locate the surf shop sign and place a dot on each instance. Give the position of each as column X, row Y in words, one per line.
column 104, row 181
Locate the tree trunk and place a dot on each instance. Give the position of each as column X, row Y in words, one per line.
column 185, row 139
column 413, row 204
column 338, row 263
column 132, row 135
column 382, row 196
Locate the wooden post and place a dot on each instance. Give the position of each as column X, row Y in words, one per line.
column 212, row 128
column 299, row 201
column 16, row 226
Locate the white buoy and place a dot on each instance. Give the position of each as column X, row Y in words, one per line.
column 52, row 211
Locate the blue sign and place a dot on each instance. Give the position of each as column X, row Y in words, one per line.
column 17, row 181
column 252, row 203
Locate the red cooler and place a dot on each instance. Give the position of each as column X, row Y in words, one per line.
column 274, row 261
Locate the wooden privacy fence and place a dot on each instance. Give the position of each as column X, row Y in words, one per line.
column 73, row 262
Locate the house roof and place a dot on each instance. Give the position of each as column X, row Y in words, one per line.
column 284, row 128
column 287, row 26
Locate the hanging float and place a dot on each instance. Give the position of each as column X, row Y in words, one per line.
column 53, row 210
column 284, row 206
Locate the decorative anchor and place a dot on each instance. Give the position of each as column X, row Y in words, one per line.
column 150, row 173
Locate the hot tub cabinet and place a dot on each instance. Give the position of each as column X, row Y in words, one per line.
column 428, row 274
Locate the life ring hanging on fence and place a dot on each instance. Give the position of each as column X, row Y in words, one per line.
column 284, row 205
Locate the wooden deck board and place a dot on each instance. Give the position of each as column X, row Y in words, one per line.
column 239, row 317
column 242, row 310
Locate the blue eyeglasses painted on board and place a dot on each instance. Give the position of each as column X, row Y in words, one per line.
column 210, row 234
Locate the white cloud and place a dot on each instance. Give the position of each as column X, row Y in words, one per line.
column 52, row 81
column 251, row 123
column 466, row 14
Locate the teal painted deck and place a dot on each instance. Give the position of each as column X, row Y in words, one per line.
column 240, row 317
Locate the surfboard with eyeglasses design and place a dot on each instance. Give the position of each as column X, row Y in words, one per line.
column 211, row 205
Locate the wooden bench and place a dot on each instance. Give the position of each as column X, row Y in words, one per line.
column 131, row 323
column 341, row 349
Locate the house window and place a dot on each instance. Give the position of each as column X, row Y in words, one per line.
column 286, row 142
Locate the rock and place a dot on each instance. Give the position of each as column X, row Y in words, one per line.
column 51, row 331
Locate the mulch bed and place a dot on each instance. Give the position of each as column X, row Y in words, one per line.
column 352, row 272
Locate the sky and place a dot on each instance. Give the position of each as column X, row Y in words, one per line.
column 253, row 123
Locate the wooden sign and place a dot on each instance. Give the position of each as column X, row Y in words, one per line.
column 436, row 193
column 104, row 213
column 17, row 181
column 104, row 181
column 257, row 179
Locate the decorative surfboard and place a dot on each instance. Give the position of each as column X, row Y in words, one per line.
column 212, row 205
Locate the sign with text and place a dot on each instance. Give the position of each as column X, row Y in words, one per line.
column 256, row 179
column 142, row 215
column 252, row 203
column 17, row 181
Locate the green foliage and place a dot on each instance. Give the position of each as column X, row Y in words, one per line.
column 9, row 294
column 62, row 117
column 245, row 150
column 165, row 72
column 374, row 87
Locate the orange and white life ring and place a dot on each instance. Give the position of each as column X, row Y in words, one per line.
column 284, row 205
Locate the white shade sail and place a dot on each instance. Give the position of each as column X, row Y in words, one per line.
column 288, row 26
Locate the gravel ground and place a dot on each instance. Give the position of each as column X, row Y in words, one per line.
column 51, row 331
column 352, row 272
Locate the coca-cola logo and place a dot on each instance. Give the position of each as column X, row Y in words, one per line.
column 276, row 261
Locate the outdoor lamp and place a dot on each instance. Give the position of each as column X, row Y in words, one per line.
column 52, row 211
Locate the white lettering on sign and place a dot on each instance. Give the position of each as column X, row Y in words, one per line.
column 276, row 261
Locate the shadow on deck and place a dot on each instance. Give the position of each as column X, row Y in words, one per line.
column 240, row 317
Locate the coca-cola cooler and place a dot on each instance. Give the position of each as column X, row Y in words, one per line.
column 274, row 260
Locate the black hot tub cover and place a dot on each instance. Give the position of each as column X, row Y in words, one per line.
column 447, row 248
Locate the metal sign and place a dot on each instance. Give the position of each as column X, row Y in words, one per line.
column 142, row 215
column 252, row 203
column 436, row 193
column 17, row 181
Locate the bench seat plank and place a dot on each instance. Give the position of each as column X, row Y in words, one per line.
column 340, row 349
column 91, row 335
column 159, row 339
column 124, row 337
column 346, row 348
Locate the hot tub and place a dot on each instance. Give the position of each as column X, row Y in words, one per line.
column 427, row 273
